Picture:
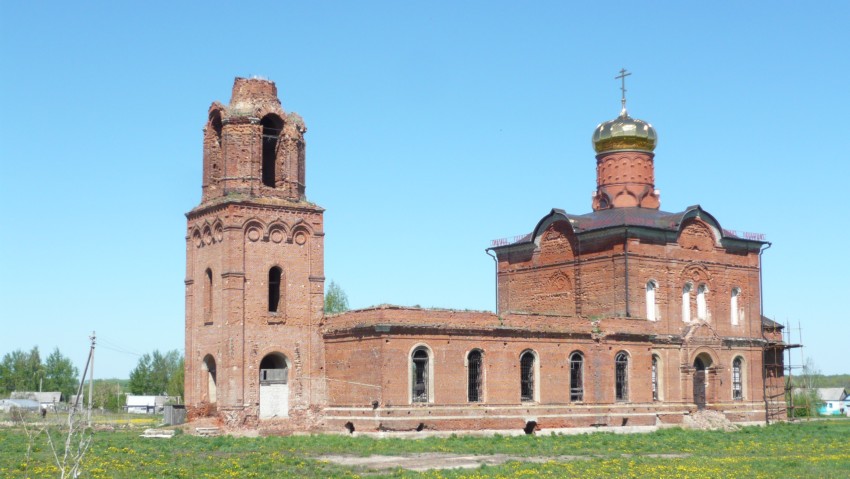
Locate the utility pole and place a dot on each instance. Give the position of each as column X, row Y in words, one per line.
column 91, row 376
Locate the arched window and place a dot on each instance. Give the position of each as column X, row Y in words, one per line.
column 274, row 288
column 208, row 296
column 576, row 377
column 686, row 302
column 215, row 123
column 737, row 380
column 526, row 368
column 733, row 305
column 272, row 126
column 656, row 393
column 651, row 286
column 621, row 365
column 420, row 392
column 702, row 306
column 475, row 373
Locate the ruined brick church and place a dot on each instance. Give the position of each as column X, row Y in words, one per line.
column 627, row 315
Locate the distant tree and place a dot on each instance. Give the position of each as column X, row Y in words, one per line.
column 336, row 301
column 107, row 395
column 155, row 373
column 140, row 376
column 175, row 383
column 805, row 400
column 60, row 374
column 21, row 371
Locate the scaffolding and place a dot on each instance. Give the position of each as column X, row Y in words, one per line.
column 779, row 369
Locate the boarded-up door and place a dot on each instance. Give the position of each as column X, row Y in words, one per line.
column 274, row 400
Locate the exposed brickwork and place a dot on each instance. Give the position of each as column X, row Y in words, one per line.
column 240, row 231
column 578, row 285
column 625, row 179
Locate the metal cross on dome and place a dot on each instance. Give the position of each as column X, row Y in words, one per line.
column 622, row 76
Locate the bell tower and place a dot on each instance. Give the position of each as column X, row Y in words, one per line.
column 254, row 267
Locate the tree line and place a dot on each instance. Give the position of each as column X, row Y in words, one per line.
column 25, row 371
column 155, row 373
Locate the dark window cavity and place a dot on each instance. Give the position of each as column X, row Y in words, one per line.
column 526, row 366
column 272, row 126
column 420, row 375
column 474, row 374
column 274, row 289
column 576, row 377
column 621, row 362
column 208, row 296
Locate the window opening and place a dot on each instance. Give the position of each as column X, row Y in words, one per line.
column 208, row 296
column 474, row 376
column 527, row 376
column 274, row 289
column 621, row 362
column 702, row 307
column 655, row 378
column 737, row 383
column 733, row 305
column 420, row 375
column 576, row 377
column 272, row 126
column 215, row 123
column 686, row 302
column 650, row 300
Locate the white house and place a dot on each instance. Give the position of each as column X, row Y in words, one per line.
column 48, row 400
column 146, row 404
column 834, row 401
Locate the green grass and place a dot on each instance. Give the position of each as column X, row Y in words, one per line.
column 814, row 449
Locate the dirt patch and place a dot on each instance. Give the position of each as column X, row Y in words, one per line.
column 429, row 461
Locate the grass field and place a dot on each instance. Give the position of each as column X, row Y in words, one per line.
column 818, row 449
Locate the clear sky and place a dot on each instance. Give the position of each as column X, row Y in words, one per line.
column 433, row 127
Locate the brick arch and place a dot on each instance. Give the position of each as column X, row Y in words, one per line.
column 278, row 232
column 694, row 233
column 557, row 242
column 560, row 281
column 300, row 228
column 254, row 230
column 704, row 352
column 626, row 199
column 695, row 274
column 195, row 234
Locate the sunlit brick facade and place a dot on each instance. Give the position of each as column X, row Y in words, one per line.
column 627, row 315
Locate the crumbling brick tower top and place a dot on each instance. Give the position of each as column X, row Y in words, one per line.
column 240, row 158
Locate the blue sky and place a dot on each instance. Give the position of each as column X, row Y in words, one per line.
column 433, row 127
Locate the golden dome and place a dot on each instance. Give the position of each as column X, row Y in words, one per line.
column 624, row 133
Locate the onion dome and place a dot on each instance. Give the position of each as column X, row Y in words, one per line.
column 624, row 133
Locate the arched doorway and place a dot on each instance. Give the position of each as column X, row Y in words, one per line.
column 701, row 364
column 274, row 386
column 208, row 379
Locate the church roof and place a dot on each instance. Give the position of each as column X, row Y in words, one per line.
column 633, row 216
column 770, row 324
column 624, row 217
